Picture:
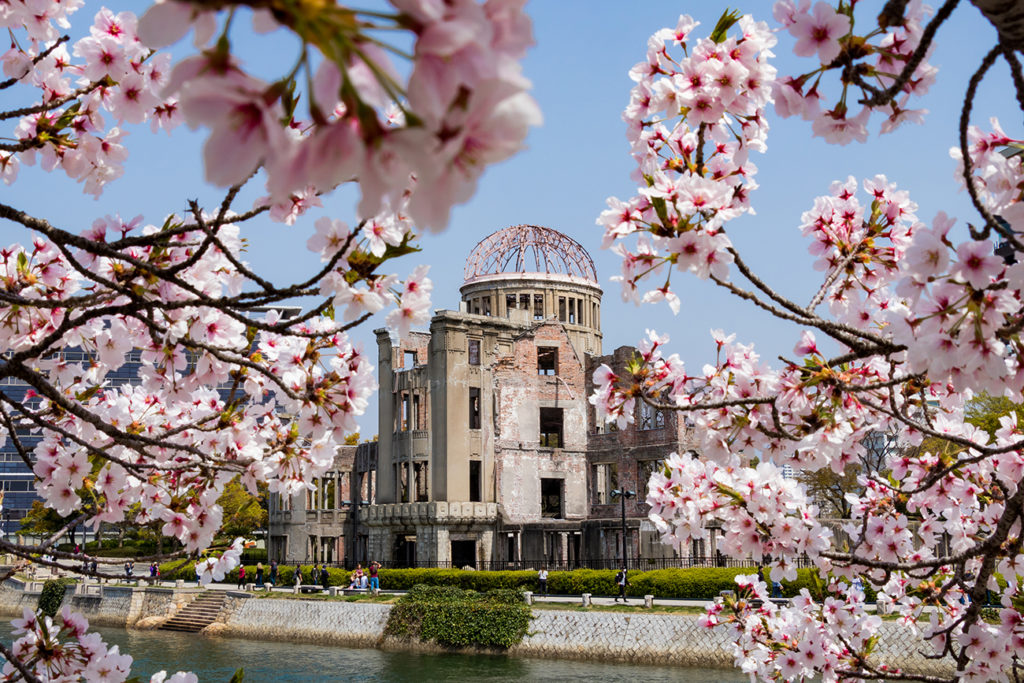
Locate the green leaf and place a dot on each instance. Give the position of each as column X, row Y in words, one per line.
column 238, row 676
column 725, row 22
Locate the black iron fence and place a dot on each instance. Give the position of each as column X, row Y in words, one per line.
column 640, row 564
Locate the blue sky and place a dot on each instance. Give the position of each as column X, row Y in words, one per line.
column 579, row 157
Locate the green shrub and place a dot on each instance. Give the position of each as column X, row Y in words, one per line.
column 691, row 583
column 453, row 617
column 254, row 555
column 52, row 596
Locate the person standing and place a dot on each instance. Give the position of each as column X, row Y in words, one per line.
column 273, row 573
column 374, row 579
column 623, row 581
column 259, row 575
column 325, row 578
column 241, row 576
column 542, row 580
column 298, row 575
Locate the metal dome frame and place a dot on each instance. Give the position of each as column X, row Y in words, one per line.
column 514, row 249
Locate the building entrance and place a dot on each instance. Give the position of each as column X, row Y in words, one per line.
column 464, row 554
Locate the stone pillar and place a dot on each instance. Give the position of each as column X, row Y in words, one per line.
column 586, row 599
column 648, row 601
column 484, row 546
column 528, row 596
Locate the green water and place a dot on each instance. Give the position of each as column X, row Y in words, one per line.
column 215, row 659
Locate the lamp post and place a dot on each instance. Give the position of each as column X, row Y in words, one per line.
column 623, row 495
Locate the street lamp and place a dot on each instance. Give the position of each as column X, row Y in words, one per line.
column 623, row 495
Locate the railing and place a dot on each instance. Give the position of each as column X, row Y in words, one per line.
column 641, row 564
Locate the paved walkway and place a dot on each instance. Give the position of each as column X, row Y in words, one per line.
column 565, row 599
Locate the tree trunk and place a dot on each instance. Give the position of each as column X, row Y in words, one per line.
column 1008, row 18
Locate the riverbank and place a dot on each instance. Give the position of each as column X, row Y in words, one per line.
column 637, row 638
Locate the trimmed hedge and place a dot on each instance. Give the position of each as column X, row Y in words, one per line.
column 285, row 574
column 692, row 584
column 453, row 617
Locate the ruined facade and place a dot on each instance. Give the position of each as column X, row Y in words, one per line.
column 323, row 523
column 489, row 454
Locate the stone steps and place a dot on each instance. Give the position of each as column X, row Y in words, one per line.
column 198, row 614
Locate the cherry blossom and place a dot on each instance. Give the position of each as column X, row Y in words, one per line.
column 910, row 322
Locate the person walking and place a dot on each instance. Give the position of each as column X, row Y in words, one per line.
column 542, row 580
column 623, row 581
column 241, row 576
column 259, row 575
column 273, row 573
column 298, row 575
column 374, row 579
column 325, row 578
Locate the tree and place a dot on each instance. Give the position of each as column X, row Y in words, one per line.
column 41, row 521
column 244, row 513
column 910, row 320
column 228, row 386
column 828, row 488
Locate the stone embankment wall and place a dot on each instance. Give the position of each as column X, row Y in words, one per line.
column 102, row 605
column 337, row 623
column 638, row 638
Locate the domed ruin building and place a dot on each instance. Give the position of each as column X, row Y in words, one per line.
column 489, row 455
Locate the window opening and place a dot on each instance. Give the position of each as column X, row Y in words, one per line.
column 474, row 352
column 551, row 498
column 572, row 310
column 313, row 497
column 420, row 473
column 605, row 480
column 487, row 305
column 474, row 408
column 538, row 306
column 561, row 308
column 524, row 302
column 644, row 470
column 410, row 360
column 327, row 491
column 551, row 427
column 649, row 417
column 547, row 360
column 474, row 481
column 405, row 412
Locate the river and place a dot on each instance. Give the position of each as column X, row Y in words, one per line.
column 215, row 659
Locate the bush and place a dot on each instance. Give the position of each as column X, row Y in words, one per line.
column 52, row 596
column 691, row 583
column 453, row 617
column 254, row 555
